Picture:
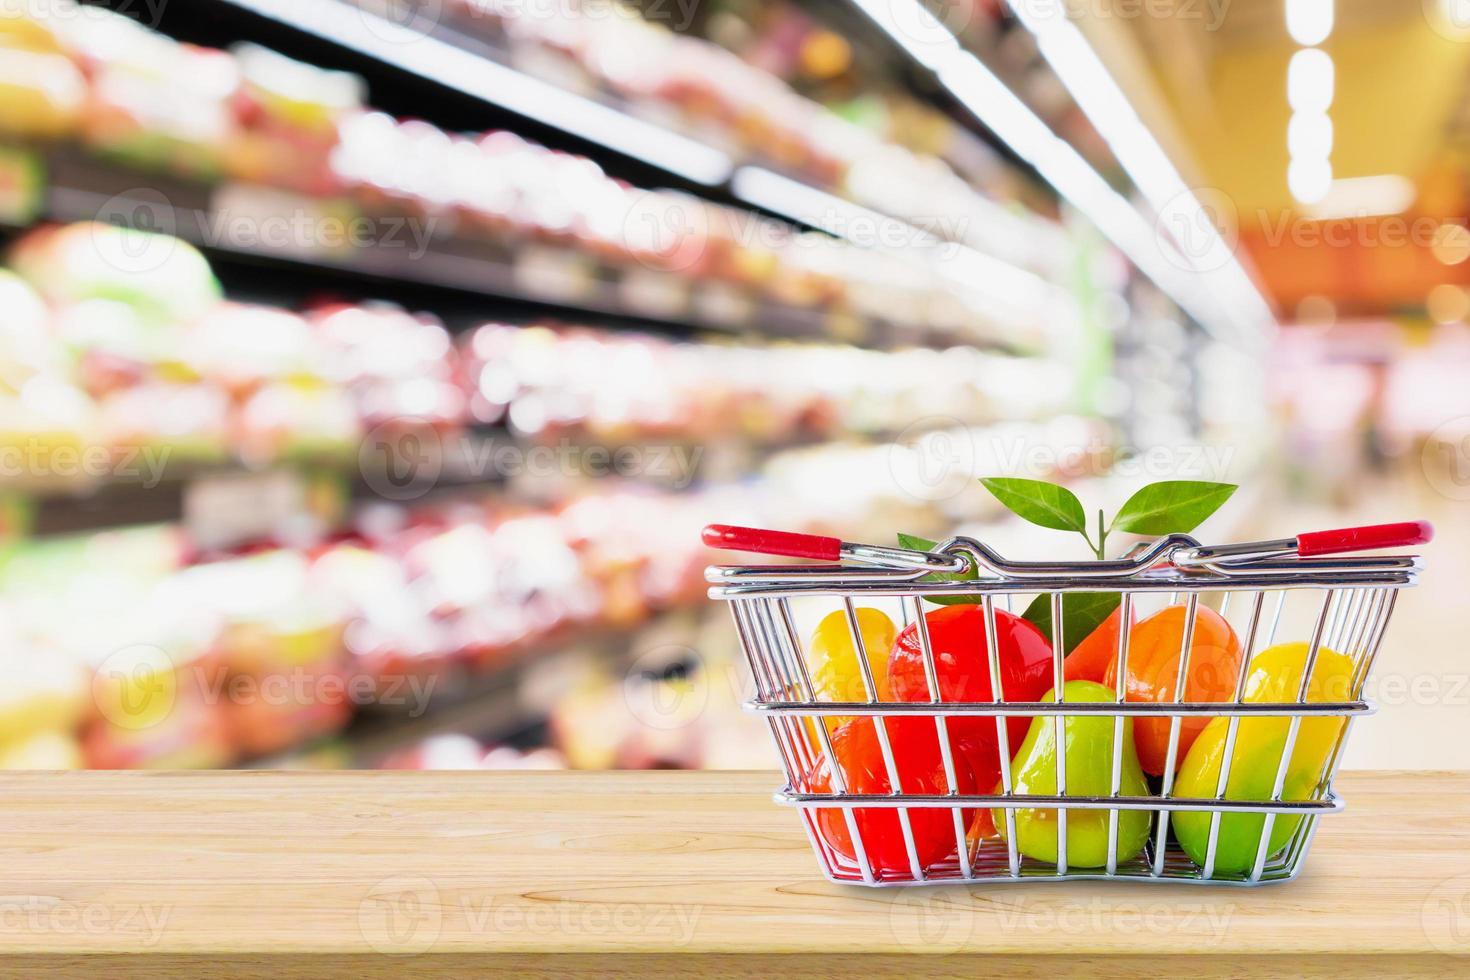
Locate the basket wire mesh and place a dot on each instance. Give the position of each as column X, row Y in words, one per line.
column 1349, row 601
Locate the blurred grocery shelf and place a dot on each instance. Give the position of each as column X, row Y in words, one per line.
column 226, row 221
column 396, row 353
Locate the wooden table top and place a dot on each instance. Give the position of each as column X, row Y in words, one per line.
column 369, row 873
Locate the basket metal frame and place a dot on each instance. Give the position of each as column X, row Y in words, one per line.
column 1358, row 598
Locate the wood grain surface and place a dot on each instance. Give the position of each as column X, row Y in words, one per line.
column 652, row 874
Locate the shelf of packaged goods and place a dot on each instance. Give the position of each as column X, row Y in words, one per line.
column 441, row 44
column 653, row 874
column 229, row 222
column 489, row 702
column 148, row 487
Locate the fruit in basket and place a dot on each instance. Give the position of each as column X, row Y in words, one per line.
column 1088, row 751
column 920, row 766
column 1275, row 676
column 836, row 673
column 1154, row 646
column 962, row 667
column 1090, row 659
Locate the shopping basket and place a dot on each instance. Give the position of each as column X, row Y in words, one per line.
column 1336, row 601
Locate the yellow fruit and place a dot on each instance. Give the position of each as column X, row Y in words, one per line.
column 833, row 659
column 1275, row 677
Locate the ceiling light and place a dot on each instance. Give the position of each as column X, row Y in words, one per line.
column 1309, row 180
column 916, row 30
column 1214, row 289
column 1310, row 78
column 1309, row 21
column 1451, row 245
column 1316, row 311
column 1447, row 303
column 1309, row 135
column 1454, row 14
column 1024, row 290
column 1365, row 197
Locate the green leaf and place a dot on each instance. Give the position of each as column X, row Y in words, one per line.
column 1039, row 502
column 917, row 543
column 1082, row 612
column 1171, row 506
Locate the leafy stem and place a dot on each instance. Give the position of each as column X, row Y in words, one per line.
column 1157, row 509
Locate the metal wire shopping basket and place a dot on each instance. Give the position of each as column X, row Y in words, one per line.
column 1341, row 606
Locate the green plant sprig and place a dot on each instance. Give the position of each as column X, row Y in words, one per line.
column 1168, row 507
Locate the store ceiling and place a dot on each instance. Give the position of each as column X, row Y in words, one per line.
column 1210, row 77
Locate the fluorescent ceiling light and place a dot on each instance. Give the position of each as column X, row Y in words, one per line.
column 914, row 29
column 1219, row 283
column 1455, row 13
column 1309, row 180
column 1064, row 168
column 1309, row 22
column 1309, row 136
column 1366, row 197
column 1021, row 289
column 1310, row 78
column 442, row 62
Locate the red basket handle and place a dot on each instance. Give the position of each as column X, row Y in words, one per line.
column 1369, row 538
column 788, row 544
